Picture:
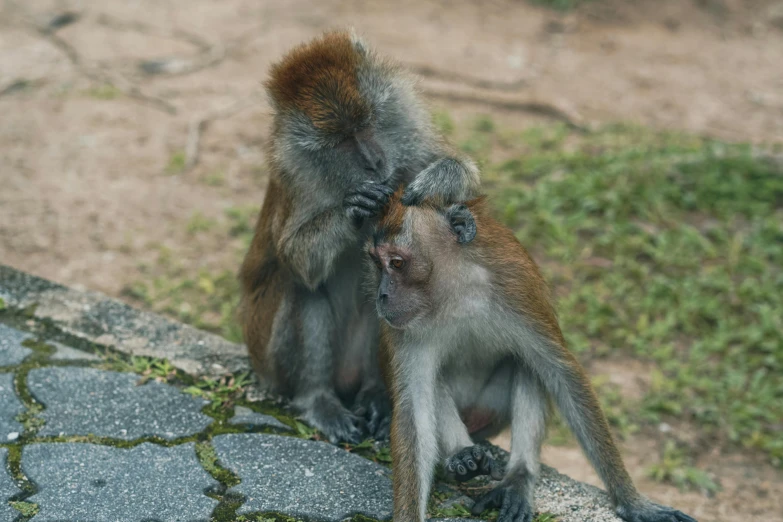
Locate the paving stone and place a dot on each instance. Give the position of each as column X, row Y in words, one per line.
column 11, row 350
column 10, row 407
column 66, row 353
column 304, row 478
column 247, row 416
column 7, row 489
column 91, row 482
column 80, row 401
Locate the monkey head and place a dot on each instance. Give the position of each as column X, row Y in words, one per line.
column 403, row 250
column 339, row 110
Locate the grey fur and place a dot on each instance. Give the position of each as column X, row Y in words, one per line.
column 322, row 352
column 466, row 353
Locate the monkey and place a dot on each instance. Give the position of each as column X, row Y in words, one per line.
column 470, row 343
column 348, row 127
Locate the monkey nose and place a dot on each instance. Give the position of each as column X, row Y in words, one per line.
column 374, row 165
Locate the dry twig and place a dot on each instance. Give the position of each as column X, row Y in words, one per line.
column 540, row 107
column 427, row 71
column 197, row 126
column 95, row 74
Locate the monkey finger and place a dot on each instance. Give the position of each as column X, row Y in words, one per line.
column 508, row 510
column 375, row 192
column 360, row 200
column 478, row 453
column 383, row 430
column 359, row 213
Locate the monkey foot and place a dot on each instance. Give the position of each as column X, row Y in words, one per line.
column 512, row 505
column 471, row 462
column 330, row 417
column 647, row 511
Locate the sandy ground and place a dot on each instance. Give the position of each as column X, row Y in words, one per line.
column 90, row 178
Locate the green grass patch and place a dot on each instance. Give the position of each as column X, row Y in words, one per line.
column 661, row 247
column 667, row 248
column 674, row 468
column 27, row 509
column 104, row 92
column 176, row 163
column 559, row 5
column 200, row 223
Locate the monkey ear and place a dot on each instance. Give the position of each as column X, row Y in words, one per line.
column 462, row 223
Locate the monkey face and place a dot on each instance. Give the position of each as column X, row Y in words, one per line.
column 401, row 282
column 363, row 152
column 403, row 249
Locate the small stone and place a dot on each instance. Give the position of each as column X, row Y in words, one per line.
column 10, row 407
column 274, row 478
column 82, row 401
column 11, row 350
column 90, row 482
column 66, row 353
column 13, row 435
column 243, row 415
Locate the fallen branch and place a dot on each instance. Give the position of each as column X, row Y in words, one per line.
column 179, row 66
column 96, row 75
column 542, row 108
column 427, row 71
column 197, row 126
column 48, row 31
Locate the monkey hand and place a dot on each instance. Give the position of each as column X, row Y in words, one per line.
column 471, row 462
column 513, row 506
column 644, row 510
column 365, row 200
column 374, row 406
column 447, row 179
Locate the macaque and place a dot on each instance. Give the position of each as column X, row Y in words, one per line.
column 471, row 344
column 348, row 128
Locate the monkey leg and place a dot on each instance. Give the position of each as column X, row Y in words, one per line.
column 372, row 403
column 514, row 495
column 309, row 366
column 464, row 460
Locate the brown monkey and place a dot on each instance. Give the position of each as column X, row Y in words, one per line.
column 347, row 127
column 471, row 344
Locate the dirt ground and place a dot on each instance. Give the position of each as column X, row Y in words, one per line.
column 98, row 165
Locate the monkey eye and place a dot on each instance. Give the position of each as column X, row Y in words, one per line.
column 397, row 263
column 345, row 143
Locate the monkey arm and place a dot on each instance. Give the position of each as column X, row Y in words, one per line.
column 311, row 244
column 564, row 378
column 453, row 434
column 414, row 441
column 449, row 178
column 567, row 383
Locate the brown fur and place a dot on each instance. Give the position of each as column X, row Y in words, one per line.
column 319, row 79
column 390, row 223
column 405, row 482
column 519, row 281
column 263, row 278
column 525, row 290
